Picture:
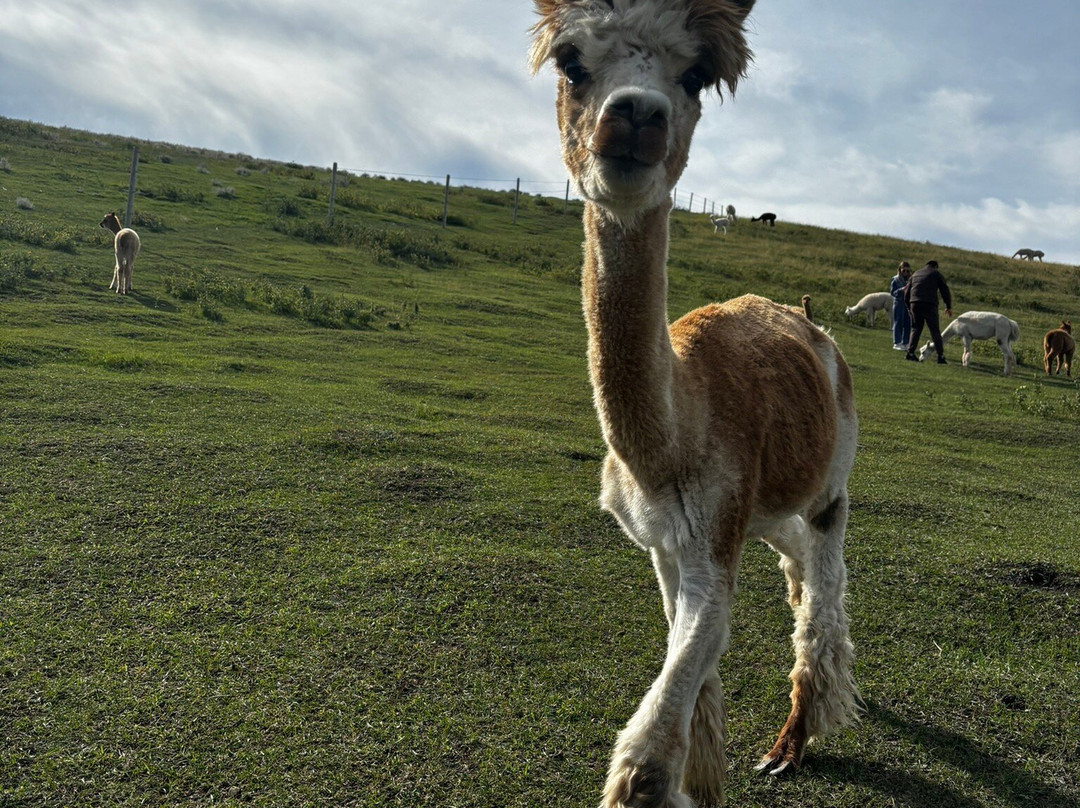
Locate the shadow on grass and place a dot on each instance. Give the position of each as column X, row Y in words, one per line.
column 1009, row 783
column 152, row 302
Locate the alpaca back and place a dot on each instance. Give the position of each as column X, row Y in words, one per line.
column 127, row 247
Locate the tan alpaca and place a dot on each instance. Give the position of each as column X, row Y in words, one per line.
column 736, row 422
column 126, row 246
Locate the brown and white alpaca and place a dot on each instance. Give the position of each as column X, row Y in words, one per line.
column 736, row 422
column 1058, row 349
column 126, row 246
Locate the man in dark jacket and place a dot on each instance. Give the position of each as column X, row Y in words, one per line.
column 920, row 296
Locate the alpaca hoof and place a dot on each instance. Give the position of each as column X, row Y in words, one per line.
column 644, row 786
column 784, row 766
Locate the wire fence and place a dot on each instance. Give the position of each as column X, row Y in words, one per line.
column 690, row 201
column 682, row 200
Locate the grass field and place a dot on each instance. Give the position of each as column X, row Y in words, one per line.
column 310, row 518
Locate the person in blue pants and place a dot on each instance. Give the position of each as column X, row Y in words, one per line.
column 901, row 317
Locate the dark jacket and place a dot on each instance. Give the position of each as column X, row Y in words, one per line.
column 924, row 286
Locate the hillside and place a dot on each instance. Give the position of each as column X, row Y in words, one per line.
column 310, row 518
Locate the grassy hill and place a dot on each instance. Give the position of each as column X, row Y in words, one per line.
column 310, row 518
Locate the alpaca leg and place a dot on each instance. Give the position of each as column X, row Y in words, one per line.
column 824, row 696
column 967, row 350
column 652, row 751
column 1010, row 357
column 116, row 278
column 706, row 763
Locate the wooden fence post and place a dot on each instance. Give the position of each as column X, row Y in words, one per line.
column 131, row 186
column 566, row 199
column 517, row 195
column 446, row 200
column 333, row 193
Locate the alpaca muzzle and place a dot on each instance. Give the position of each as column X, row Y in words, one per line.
column 633, row 127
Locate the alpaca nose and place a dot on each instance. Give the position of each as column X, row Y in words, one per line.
column 633, row 124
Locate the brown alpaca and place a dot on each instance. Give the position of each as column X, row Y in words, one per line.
column 736, row 422
column 1058, row 349
column 126, row 246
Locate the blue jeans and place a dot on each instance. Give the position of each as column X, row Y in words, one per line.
column 901, row 324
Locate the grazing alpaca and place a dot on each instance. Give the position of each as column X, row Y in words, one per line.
column 1058, row 349
column 735, row 422
column 806, row 308
column 719, row 222
column 126, row 245
column 730, row 211
column 973, row 325
column 766, row 218
column 870, row 305
column 1029, row 255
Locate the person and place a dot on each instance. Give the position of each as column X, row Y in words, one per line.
column 901, row 318
column 921, row 297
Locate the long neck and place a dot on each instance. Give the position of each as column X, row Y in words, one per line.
column 624, row 288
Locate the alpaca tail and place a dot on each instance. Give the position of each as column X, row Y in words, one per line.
column 1014, row 332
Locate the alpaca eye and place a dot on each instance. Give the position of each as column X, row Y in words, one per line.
column 574, row 71
column 694, row 81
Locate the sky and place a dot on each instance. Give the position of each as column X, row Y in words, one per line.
column 954, row 122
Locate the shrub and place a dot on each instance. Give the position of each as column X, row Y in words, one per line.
column 170, row 193
column 22, row 203
column 242, row 171
column 5, row 166
column 227, row 192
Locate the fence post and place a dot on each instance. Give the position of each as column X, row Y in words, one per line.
column 675, row 197
column 333, row 192
column 131, row 186
column 704, row 203
column 566, row 199
column 690, row 207
column 446, row 200
column 517, row 194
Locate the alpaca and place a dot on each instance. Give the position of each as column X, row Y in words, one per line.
column 806, row 308
column 730, row 211
column 870, row 305
column 1058, row 349
column 1029, row 255
column 737, row 421
column 126, row 246
column 720, row 222
column 765, row 218
column 973, row 325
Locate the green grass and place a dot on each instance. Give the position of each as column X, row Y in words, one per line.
column 310, row 519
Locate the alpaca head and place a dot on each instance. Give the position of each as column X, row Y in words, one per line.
column 1066, row 326
column 111, row 222
column 631, row 74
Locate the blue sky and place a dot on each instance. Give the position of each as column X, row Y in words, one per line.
column 954, row 122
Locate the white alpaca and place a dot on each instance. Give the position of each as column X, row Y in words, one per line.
column 126, row 246
column 870, row 305
column 720, row 222
column 973, row 325
column 735, row 422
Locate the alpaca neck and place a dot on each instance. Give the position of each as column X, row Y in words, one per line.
column 631, row 362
